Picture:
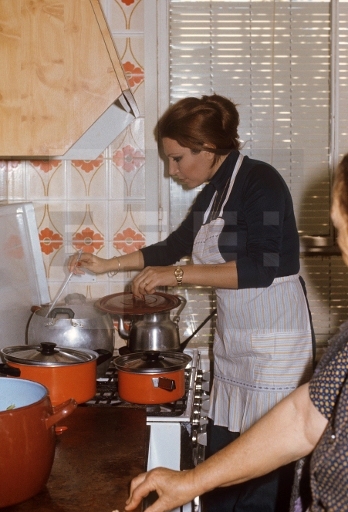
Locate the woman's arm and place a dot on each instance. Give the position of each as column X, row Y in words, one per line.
column 223, row 275
column 288, row 432
column 132, row 261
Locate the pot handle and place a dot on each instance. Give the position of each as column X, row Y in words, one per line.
column 60, row 411
column 61, row 311
column 10, row 370
column 104, row 355
column 164, row 383
column 176, row 317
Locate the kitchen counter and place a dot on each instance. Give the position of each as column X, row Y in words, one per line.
column 96, row 457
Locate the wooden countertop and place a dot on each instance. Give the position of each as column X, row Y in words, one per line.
column 102, row 449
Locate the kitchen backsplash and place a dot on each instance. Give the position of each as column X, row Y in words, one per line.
column 94, row 205
column 98, row 205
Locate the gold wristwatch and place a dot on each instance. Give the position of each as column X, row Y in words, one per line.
column 179, row 274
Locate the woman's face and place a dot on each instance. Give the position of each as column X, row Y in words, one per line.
column 341, row 224
column 191, row 169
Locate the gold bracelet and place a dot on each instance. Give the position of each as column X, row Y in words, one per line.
column 114, row 273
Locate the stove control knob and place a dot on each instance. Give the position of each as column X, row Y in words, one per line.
column 203, row 420
column 198, row 386
column 199, row 376
column 196, row 417
column 205, row 406
column 202, row 438
column 206, row 386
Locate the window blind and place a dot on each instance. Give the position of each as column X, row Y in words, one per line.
column 272, row 58
column 275, row 60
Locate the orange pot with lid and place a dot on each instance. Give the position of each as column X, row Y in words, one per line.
column 67, row 373
column 152, row 377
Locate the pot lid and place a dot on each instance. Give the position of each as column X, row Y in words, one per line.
column 127, row 304
column 47, row 354
column 150, row 361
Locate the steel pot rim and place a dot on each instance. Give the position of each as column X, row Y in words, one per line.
column 62, row 356
column 151, row 362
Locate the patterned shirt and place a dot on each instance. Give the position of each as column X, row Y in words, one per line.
column 329, row 462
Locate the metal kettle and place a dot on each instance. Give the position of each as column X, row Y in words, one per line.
column 153, row 331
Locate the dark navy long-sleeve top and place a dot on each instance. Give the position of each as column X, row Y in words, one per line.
column 260, row 231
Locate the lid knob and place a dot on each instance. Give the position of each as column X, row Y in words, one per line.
column 47, row 348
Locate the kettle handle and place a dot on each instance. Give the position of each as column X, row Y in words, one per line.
column 183, row 303
column 61, row 311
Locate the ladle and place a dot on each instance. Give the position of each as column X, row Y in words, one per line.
column 62, row 288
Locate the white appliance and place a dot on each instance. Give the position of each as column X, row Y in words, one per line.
column 23, row 281
column 177, row 429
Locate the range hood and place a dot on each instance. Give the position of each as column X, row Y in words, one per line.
column 63, row 91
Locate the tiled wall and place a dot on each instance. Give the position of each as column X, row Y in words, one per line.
column 100, row 206
column 94, row 205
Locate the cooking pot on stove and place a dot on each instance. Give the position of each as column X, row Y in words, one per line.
column 75, row 323
column 28, row 438
column 149, row 325
column 152, row 377
column 66, row 372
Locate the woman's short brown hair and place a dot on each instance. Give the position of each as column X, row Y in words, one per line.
column 209, row 123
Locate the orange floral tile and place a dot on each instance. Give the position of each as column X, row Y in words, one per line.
column 45, row 165
column 88, row 240
column 128, row 241
column 50, row 241
column 134, row 74
column 128, row 158
column 88, row 165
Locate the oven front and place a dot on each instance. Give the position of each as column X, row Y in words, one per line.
column 178, row 442
column 177, row 429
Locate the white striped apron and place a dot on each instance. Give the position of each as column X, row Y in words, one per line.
column 263, row 340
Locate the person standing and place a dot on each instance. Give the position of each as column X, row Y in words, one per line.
column 311, row 420
column 242, row 237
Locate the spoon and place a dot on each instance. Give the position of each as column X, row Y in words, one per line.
column 62, row 288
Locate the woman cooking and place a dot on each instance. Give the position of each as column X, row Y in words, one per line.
column 241, row 234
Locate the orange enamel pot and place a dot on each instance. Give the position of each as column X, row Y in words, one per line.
column 66, row 373
column 28, row 438
column 152, row 377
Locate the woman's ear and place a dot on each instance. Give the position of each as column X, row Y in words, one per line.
column 209, row 154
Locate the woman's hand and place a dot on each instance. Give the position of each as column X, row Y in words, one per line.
column 174, row 488
column 88, row 261
column 150, row 278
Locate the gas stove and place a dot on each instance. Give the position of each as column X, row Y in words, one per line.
column 177, row 429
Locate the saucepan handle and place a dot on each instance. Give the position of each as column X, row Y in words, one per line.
column 9, row 370
column 164, row 383
column 104, row 355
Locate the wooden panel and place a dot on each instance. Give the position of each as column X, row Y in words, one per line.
column 59, row 71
